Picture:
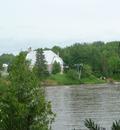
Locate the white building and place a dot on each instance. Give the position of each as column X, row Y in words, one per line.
column 4, row 72
column 50, row 58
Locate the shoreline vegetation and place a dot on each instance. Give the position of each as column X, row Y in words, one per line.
column 59, row 80
column 84, row 63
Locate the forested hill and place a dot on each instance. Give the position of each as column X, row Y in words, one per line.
column 103, row 58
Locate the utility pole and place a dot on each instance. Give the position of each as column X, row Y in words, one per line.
column 79, row 70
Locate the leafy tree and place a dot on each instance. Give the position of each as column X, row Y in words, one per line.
column 23, row 106
column 86, row 71
column 40, row 65
column 98, row 55
column 57, row 50
column 56, row 68
column 119, row 49
column 114, row 65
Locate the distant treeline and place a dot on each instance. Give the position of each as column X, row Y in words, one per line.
column 6, row 59
column 103, row 58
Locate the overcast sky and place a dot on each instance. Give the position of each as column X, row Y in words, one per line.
column 44, row 23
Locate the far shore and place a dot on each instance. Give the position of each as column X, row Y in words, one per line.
column 81, row 85
column 88, row 84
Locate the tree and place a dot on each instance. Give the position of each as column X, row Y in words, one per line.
column 40, row 65
column 86, row 71
column 24, row 107
column 119, row 49
column 57, row 50
column 56, row 68
column 114, row 66
column 98, row 55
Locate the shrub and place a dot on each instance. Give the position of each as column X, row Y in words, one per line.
column 56, row 68
column 72, row 74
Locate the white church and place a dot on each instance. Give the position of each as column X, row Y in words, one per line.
column 50, row 58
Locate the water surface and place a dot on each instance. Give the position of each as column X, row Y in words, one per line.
column 73, row 104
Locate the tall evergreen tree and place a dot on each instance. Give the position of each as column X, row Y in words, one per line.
column 56, row 68
column 24, row 106
column 40, row 65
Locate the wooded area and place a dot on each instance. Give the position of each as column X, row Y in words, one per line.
column 102, row 58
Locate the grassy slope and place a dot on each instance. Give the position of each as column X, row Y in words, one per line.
column 64, row 80
column 57, row 79
column 92, row 80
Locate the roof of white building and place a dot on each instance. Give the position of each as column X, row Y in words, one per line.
column 5, row 65
column 50, row 57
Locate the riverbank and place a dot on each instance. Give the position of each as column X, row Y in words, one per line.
column 59, row 79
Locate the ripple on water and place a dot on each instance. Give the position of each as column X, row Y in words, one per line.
column 73, row 104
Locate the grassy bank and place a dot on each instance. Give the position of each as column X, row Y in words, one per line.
column 59, row 79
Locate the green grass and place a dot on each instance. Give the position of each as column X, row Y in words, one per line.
column 92, row 80
column 59, row 79
column 116, row 78
column 63, row 79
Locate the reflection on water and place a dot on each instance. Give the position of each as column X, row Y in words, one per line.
column 73, row 104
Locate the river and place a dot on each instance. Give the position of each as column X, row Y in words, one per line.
column 73, row 104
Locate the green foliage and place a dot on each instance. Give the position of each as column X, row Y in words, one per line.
column 91, row 125
column 6, row 58
column 23, row 106
column 114, row 65
column 86, row 71
column 92, row 80
column 63, row 79
column 103, row 58
column 116, row 125
column 56, row 68
column 40, row 65
column 72, row 74
column 57, row 49
column 3, row 86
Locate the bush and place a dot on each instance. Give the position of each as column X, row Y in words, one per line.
column 72, row 74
